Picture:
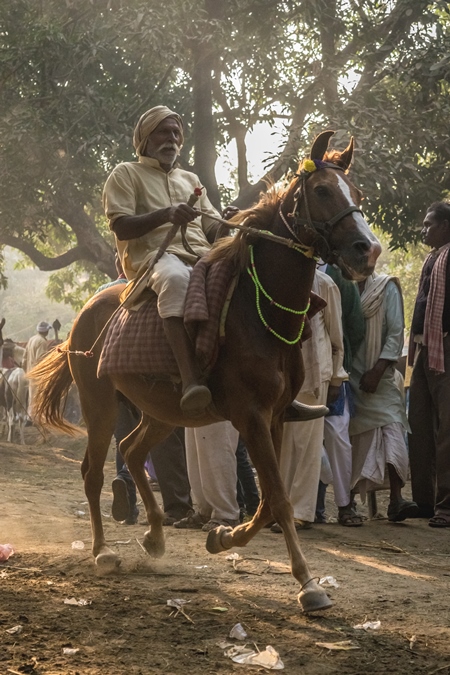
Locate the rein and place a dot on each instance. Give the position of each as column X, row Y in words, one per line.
column 307, row 251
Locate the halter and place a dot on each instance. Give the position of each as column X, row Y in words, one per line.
column 321, row 229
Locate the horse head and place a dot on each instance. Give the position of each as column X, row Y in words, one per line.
column 324, row 209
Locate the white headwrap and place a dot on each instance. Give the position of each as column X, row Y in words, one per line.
column 371, row 302
column 148, row 122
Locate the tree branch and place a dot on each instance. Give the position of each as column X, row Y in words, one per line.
column 41, row 261
column 249, row 196
column 392, row 29
column 236, row 130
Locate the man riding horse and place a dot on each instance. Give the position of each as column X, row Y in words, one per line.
column 142, row 201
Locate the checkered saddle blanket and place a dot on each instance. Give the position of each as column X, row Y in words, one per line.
column 135, row 342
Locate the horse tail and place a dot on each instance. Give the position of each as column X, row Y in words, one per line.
column 53, row 380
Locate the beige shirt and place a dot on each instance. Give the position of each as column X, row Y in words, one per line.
column 323, row 354
column 136, row 188
column 36, row 349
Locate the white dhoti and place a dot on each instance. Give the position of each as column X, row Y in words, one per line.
column 300, row 459
column 212, row 469
column 170, row 280
column 339, row 452
column 372, row 451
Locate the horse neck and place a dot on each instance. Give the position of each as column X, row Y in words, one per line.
column 287, row 276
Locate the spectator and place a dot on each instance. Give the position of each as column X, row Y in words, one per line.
column 336, row 437
column 37, row 347
column 429, row 442
column 377, row 430
column 212, row 471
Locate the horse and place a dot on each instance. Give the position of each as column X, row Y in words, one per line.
column 259, row 367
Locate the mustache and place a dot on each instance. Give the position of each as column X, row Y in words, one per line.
column 170, row 146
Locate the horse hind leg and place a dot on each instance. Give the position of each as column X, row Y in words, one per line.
column 134, row 450
column 99, row 406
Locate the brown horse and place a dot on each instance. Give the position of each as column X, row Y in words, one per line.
column 259, row 369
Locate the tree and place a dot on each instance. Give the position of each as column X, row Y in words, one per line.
column 77, row 75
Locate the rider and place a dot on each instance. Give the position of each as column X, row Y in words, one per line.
column 142, row 201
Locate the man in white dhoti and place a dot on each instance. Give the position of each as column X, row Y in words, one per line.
column 301, row 449
column 378, row 428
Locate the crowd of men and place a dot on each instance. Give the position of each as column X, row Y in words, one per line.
column 365, row 443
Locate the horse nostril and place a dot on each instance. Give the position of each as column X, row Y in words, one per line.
column 362, row 246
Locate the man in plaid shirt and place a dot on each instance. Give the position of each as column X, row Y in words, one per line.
column 429, row 410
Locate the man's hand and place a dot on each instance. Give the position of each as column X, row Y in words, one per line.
column 229, row 212
column 371, row 379
column 333, row 394
column 181, row 214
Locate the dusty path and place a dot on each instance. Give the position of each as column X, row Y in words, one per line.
column 127, row 627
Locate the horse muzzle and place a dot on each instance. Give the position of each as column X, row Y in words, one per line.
column 358, row 261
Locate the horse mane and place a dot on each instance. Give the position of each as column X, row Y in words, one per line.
column 235, row 249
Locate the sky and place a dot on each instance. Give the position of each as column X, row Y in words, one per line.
column 262, row 142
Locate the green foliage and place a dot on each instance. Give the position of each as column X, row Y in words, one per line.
column 406, row 265
column 74, row 285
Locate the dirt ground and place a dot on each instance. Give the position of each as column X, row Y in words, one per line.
column 396, row 574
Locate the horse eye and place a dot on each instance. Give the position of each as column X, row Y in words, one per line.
column 321, row 191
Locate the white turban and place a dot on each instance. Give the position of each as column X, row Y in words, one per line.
column 43, row 327
column 148, row 122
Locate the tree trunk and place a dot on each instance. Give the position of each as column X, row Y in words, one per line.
column 205, row 155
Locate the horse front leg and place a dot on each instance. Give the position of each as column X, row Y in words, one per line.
column 134, row 449
column 264, row 448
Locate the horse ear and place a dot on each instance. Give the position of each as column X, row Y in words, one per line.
column 346, row 155
column 320, row 145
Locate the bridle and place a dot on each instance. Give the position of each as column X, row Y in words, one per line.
column 321, row 229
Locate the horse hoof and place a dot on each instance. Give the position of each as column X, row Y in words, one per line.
column 107, row 563
column 214, row 539
column 314, row 600
column 154, row 547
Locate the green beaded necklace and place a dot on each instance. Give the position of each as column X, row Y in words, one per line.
column 259, row 288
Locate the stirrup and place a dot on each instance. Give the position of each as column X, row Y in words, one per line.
column 300, row 412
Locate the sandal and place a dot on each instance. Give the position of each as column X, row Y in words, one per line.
column 439, row 520
column 399, row 511
column 349, row 518
column 193, row 521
